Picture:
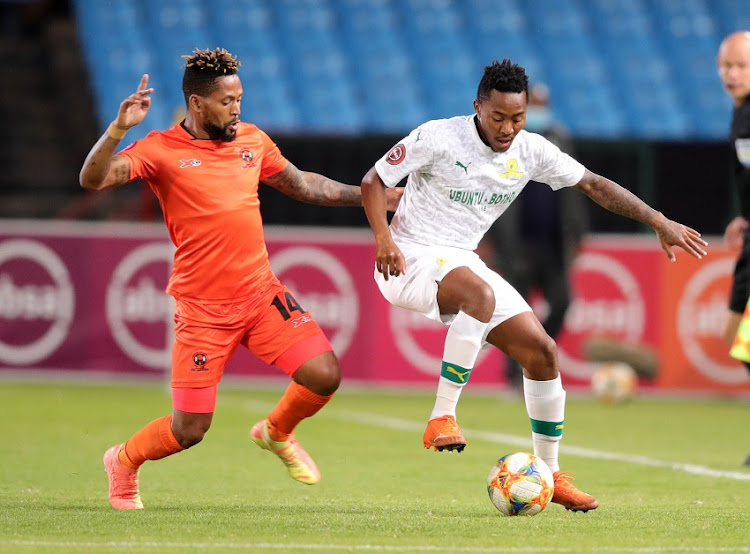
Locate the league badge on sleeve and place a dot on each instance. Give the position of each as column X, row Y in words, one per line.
column 396, row 154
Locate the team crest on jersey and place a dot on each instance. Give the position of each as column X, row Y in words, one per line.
column 511, row 170
column 246, row 155
column 199, row 360
column 396, row 154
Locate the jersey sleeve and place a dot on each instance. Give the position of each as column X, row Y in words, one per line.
column 273, row 160
column 415, row 153
column 140, row 156
column 554, row 167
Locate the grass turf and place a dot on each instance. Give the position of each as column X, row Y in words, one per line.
column 381, row 491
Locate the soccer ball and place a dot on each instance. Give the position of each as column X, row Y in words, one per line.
column 614, row 382
column 520, row 484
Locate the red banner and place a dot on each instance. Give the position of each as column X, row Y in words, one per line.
column 613, row 296
column 89, row 297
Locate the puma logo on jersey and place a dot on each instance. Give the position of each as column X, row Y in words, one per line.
column 189, row 163
column 464, row 167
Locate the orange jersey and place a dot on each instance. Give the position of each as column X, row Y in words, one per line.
column 208, row 191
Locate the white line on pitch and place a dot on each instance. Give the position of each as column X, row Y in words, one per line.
column 254, row 547
column 400, row 424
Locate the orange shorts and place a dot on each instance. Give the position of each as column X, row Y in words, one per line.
column 273, row 326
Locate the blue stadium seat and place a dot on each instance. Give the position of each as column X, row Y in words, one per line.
column 732, row 15
column 552, row 18
column 387, row 65
column 394, row 108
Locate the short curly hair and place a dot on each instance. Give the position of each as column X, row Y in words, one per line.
column 504, row 76
column 203, row 67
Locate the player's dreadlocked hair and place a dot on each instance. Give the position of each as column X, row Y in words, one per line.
column 504, row 76
column 203, row 68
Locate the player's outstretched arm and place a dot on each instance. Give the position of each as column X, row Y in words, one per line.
column 314, row 188
column 388, row 258
column 102, row 168
column 616, row 199
column 319, row 189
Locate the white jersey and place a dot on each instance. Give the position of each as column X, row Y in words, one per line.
column 458, row 186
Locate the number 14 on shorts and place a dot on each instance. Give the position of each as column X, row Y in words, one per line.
column 286, row 304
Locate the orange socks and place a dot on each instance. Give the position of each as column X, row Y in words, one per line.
column 297, row 404
column 154, row 442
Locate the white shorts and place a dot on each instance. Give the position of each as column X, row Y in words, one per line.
column 426, row 266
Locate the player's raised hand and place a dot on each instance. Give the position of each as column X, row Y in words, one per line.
column 135, row 107
column 671, row 234
column 389, row 260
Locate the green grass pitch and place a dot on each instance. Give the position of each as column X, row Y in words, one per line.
column 667, row 473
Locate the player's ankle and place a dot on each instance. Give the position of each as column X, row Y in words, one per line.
column 275, row 434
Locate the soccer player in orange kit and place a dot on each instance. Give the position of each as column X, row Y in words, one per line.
column 205, row 172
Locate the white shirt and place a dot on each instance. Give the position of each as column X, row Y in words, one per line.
column 458, row 186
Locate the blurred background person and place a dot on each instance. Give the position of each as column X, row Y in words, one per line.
column 534, row 243
column 734, row 69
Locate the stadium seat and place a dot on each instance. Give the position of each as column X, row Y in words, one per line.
column 386, row 65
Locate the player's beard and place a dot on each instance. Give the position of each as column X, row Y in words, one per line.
column 222, row 133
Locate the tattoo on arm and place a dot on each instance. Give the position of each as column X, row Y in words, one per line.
column 616, row 199
column 314, row 188
column 102, row 168
column 327, row 192
column 120, row 169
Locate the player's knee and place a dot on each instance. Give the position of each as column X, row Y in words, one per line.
column 548, row 351
column 480, row 303
column 328, row 379
column 191, row 433
column 191, row 437
column 541, row 363
column 322, row 376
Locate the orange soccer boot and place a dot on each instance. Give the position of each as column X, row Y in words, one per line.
column 123, row 482
column 443, row 433
column 298, row 462
column 569, row 497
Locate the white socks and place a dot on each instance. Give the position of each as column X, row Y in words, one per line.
column 545, row 404
column 462, row 345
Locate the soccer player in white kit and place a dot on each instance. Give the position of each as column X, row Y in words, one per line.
column 463, row 172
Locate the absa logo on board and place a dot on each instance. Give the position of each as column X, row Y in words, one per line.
column 608, row 302
column 701, row 313
column 37, row 302
column 139, row 312
column 324, row 287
